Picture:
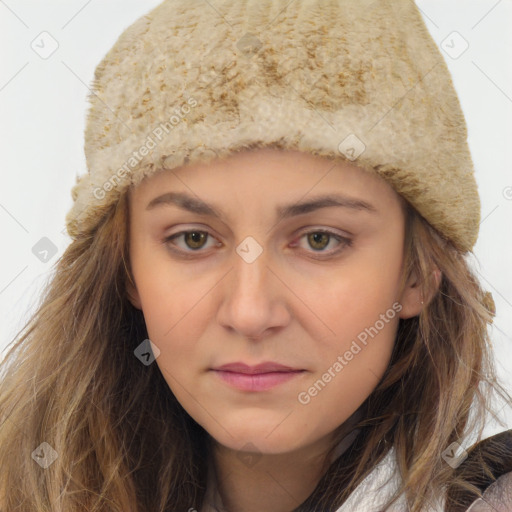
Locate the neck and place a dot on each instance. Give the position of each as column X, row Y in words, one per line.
column 248, row 482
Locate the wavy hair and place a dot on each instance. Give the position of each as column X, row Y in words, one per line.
column 125, row 444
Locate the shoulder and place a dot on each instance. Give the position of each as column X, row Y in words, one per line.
column 376, row 488
column 497, row 497
column 488, row 467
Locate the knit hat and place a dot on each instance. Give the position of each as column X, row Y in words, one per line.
column 360, row 81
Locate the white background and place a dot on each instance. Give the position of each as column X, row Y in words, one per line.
column 42, row 120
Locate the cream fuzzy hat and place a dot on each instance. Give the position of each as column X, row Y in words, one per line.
column 356, row 80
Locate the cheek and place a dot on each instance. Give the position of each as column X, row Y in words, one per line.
column 356, row 299
column 361, row 313
column 351, row 362
column 363, row 332
column 168, row 295
column 173, row 314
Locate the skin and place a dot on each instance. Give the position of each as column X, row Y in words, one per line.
column 298, row 303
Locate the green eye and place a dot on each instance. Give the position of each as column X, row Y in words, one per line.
column 318, row 240
column 195, row 239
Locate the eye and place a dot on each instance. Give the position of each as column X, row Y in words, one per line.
column 194, row 240
column 319, row 239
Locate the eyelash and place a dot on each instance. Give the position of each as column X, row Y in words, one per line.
column 344, row 242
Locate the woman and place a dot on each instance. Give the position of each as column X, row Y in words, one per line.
column 266, row 304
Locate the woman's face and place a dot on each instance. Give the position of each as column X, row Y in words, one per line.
column 269, row 258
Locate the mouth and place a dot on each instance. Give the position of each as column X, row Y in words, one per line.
column 260, row 377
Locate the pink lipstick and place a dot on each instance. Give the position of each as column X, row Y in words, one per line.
column 260, row 377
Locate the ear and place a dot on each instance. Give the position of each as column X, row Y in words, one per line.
column 133, row 295
column 412, row 299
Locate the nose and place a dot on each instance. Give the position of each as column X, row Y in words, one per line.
column 253, row 303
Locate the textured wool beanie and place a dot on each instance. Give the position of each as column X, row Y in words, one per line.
column 361, row 81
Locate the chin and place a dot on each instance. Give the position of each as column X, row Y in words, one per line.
column 270, row 439
column 259, row 445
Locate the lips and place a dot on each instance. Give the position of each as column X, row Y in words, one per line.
column 260, row 377
column 267, row 367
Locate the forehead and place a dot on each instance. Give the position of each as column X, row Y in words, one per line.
column 263, row 177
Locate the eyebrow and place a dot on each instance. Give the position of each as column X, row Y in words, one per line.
column 195, row 205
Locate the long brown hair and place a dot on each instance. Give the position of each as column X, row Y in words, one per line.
column 125, row 444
